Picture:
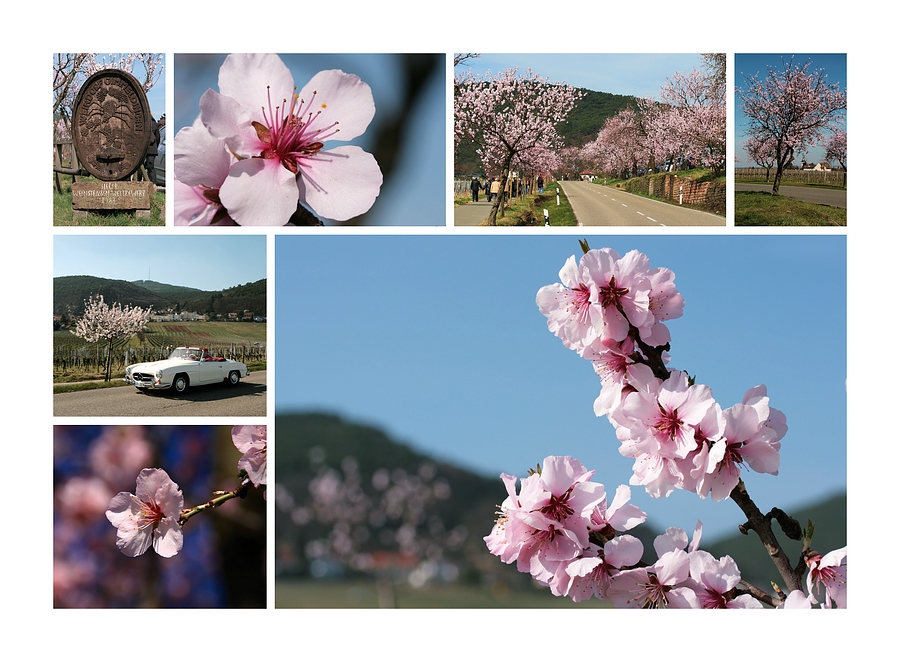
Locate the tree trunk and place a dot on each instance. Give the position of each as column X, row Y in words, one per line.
column 783, row 160
column 497, row 209
column 108, row 359
column 777, row 182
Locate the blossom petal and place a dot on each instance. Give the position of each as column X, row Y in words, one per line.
column 339, row 184
column 191, row 207
column 249, row 78
column 334, row 96
column 260, row 192
column 168, row 538
column 227, row 120
column 200, row 158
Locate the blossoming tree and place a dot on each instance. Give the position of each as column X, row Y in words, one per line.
column 509, row 115
column 695, row 117
column 836, row 148
column 560, row 526
column 792, row 108
column 762, row 152
column 102, row 322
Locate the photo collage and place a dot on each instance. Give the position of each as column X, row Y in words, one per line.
column 365, row 257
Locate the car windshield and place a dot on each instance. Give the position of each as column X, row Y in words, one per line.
column 187, row 353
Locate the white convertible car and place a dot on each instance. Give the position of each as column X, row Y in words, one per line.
column 185, row 367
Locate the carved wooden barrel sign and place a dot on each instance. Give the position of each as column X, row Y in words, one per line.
column 111, row 125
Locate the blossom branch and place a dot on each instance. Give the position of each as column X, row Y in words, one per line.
column 762, row 524
column 758, row 593
column 218, row 500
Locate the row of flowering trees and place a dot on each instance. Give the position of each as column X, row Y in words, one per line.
column 687, row 123
column 513, row 121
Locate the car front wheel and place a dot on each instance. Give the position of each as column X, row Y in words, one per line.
column 181, row 383
column 234, row 378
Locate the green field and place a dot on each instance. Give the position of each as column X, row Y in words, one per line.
column 360, row 594
column 763, row 208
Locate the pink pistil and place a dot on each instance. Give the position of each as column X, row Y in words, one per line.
column 288, row 136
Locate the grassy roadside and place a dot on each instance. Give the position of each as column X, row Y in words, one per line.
column 761, row 208
column 88, row 386
column 528, row 210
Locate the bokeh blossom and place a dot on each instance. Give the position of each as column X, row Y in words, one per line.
column 277, row 137
column 149, row 516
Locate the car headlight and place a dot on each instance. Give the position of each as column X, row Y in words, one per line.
column 159, row 374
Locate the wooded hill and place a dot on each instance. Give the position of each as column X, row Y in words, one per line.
column 70, row 292
column 582, row 126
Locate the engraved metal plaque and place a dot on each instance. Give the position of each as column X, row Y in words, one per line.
column 111, row 125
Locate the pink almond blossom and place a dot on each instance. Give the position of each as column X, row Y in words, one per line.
column 278, row 136
column 202, row 164
column 827, row 579
column 251, row 441
column 714, row 579
column 149, row 516
column 660, row 586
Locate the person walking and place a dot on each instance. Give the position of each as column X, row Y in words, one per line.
column 495, row 188
column 475, row 186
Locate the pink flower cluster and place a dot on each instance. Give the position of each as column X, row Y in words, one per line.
column 683, row 577
column 612, row 310
column 560, row 529
column 607, row 303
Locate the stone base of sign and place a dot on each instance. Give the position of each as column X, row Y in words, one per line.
column 121, row 196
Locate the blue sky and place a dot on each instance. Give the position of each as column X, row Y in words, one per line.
column 747, row 65
column 640, row 75
column 214, row 262
column 438, row 341
column 416, row 192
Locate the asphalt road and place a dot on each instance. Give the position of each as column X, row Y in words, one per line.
column 246, row 399
column 599, row 205
column 820, row 196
